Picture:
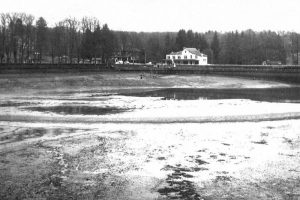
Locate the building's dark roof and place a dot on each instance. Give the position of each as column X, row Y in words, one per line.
column 190, row 59
column 191, row 50
column 194, row 51
column 175, row 53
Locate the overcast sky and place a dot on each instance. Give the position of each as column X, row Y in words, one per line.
column 169, row 15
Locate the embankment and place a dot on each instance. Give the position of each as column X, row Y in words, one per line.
column 50, row 68
column 284, row 73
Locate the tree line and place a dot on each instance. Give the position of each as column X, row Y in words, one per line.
column 24, row 39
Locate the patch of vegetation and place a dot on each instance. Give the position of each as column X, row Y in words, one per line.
column 260, row 142
column 23, row 134
column 14, row 104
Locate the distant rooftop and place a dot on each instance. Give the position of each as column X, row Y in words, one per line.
column 176, row 53
column 194, row 51
column 191, row 50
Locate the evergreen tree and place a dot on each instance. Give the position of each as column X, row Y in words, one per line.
column 168, row 44
column 154, row 50
column 215, row 46
column 181, row 39
column 209, row 54
column 190, row 39
column 108, row 43
column 203, row 43
column 87, row 45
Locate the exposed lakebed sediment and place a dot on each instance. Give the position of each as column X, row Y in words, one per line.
column 178, row 142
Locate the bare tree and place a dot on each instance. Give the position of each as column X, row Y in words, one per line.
column 12, row 39
column 72, row 26
column 41, row 37
column 29, row 36
column 90, row 23
column 3, row 47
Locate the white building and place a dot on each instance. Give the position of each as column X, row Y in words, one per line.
column 188, row 56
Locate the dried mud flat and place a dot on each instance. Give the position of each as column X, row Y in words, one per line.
column 109, row 136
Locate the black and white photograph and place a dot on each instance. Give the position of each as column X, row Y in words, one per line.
column 149, row 99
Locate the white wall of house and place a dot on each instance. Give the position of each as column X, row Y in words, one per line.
column 186, row 57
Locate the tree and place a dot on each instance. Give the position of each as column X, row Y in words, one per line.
column 90, row 23
column 231, row 53
column 12, row 38
column 209, row 54
column 21, row 39
column 181, row 39
column 41, row 37
column 29, row 36
column 190, row 39
column 2, row 36
column 1, row 46
column 87, row 45
column 215, row 47
column 154, row 50
column 72, row 41
column 56, row 42
column 19, row 34
column 98, row 42
column 108, row 43
column 6, row 37
column 203, row 43
column 168, row 43
column 251, row 50
column 294, row 38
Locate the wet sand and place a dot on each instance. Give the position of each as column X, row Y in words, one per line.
column 114, row 136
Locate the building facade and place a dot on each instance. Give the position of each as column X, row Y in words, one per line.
column 129, row 55
column 188, row 56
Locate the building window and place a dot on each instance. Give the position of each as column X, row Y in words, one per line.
column 185, row 57
column 168, row 57
column 173, row 57
column 178, row 57
column 196, row 56
column 191, row 56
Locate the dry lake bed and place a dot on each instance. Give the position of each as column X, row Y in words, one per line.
column 148, row 136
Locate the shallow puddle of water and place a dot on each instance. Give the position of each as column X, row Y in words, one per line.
column 77, row 109
column 22, row 134
column 257, row 94
column 14, row 104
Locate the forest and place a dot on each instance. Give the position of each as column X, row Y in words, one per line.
column 26, row 39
